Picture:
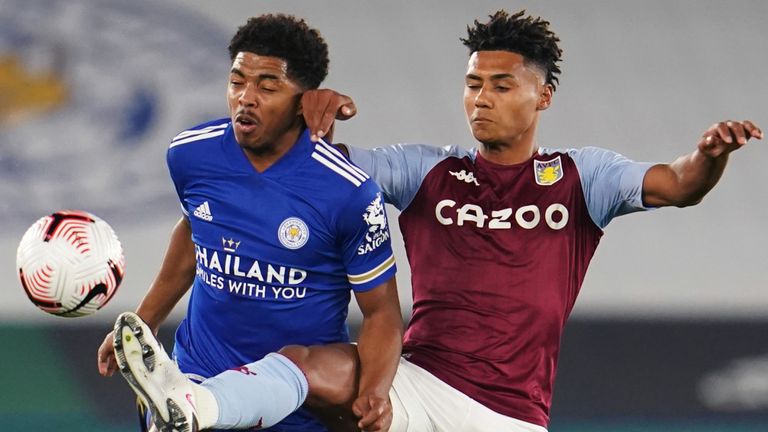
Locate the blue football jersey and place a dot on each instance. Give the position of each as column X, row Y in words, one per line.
column 278, row 252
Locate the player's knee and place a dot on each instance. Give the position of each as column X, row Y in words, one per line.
column 301, row 357
column 331, row 372
column 298, row 354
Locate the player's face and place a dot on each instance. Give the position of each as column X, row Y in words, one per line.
column 263, row 103
column 502, row 97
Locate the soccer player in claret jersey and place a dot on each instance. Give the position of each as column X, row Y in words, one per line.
column 499, row 237
column 276, row 231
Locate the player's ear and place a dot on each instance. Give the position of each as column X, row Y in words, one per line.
column 545, row 97
column 300, row 98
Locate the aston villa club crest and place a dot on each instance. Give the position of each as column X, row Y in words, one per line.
column 548, row 172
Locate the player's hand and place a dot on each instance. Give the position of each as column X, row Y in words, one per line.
column 106, row 356
column 727, row 136
column 375, row 413
column 321, row 107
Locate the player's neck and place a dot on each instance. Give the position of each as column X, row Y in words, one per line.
column 511, row 152
column 267, row 156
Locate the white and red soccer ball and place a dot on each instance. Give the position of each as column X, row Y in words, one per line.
column 70, row 263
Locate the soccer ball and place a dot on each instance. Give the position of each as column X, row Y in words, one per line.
column 70, row 263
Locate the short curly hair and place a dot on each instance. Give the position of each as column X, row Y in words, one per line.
column 289, row 38
column 525, row 35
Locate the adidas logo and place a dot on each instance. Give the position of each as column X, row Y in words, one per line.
column 203, row 211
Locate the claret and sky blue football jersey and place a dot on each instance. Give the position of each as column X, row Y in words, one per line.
column 498, row 254
column 277, row 252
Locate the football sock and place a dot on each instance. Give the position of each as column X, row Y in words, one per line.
column 259, row 394
column 206, row 408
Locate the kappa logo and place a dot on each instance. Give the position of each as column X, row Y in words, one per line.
column 203, row 211
column 465, row 177
column 376, row 219
column 548, row 172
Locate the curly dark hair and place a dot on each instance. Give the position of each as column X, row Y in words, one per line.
column 525, row 35
column 289, row 38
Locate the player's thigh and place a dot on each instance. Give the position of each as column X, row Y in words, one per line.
column 408, row 412
column 441, row 408
column 426, row 403
column 483, row 419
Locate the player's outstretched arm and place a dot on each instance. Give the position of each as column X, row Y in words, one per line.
column 685, row 181
column 177, row 272
column 321, row 107
column 174, row 279
column 379, row 347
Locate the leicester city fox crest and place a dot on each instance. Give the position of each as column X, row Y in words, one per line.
column 293, row 233
column 548, row 172
column 376, row 219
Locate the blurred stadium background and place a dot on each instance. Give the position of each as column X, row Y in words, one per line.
column 671, row 330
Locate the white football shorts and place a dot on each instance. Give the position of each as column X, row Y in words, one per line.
column 423, row 403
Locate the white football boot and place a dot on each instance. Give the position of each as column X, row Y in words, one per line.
column 154, row 377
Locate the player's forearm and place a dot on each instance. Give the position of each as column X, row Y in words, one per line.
column 176, row 275
column 696, row 174
column 685, row 181
column 379, row 347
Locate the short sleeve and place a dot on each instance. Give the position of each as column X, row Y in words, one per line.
column 399, row 169
column 612, row 184
column 365, row 239
column 171, row 158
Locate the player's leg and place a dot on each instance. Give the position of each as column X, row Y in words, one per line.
column 433, row 405
column 483, row 419
column 408, row 412
column 270, row 389
column 329, row 375
column 333, row 373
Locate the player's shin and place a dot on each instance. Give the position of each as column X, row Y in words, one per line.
column 259, row 394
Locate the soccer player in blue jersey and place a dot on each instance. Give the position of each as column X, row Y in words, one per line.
column 276, row 231
column 499, row 237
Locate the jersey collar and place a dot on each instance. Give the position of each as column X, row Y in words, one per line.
column 302, row 149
